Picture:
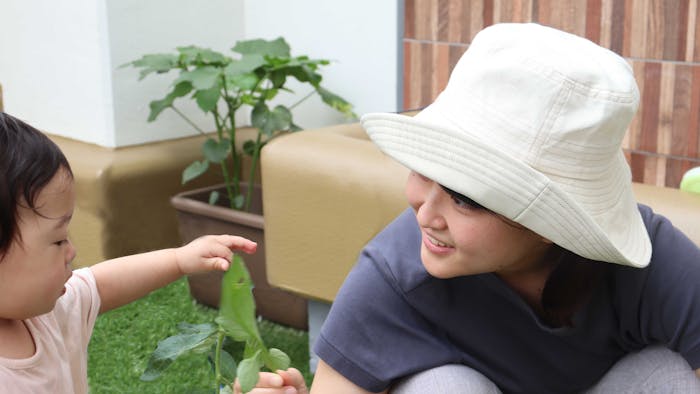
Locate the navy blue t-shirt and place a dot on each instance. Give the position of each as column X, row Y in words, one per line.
column 391, row 318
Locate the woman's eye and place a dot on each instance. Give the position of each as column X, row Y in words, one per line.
column 461, row 203
column 61, row 242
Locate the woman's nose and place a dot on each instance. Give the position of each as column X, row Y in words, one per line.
column 430, row 212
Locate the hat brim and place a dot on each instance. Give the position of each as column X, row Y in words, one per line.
column 507, row 186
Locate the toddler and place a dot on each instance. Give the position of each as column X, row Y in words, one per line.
column 47, row 310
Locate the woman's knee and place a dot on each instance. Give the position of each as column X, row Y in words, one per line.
column 450, row 378
column 654, row 369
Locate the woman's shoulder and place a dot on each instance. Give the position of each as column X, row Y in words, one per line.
column 399, row 237
column 404, row 223
column 395, row 252
column 668, row 242
column 660, row 303
column 675, row 259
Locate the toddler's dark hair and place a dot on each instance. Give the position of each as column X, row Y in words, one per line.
column 28, row 161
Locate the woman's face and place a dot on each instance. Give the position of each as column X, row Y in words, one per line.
column 461, row 239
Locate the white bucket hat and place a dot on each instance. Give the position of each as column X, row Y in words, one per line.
column 530, row 126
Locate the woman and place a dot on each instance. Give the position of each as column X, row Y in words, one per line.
column 524, row 264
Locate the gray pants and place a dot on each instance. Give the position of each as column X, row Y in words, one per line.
column 654, row 370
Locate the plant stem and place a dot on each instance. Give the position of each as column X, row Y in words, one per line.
column 253, row 166
column 234, row 154
column 217, row 359
column 224, row 170
column 227, row 183
column 232, row 107
column 217, row 121
column 177, row 111
column 291, row 107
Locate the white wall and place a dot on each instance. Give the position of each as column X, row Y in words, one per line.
column 53, row 69
column 360, row 37
column 59, row 61
column 137, row 27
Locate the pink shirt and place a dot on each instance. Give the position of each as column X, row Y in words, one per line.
column 61, row 338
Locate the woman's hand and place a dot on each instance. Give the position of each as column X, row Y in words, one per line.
column 211, row 252
column 283, row 382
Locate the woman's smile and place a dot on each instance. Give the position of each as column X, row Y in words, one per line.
column 436, row 246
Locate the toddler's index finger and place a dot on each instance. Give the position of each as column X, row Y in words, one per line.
column 235, row 242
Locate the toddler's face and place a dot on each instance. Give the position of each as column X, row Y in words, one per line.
column 36, row 268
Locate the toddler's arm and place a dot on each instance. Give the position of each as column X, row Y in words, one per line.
column 125, row 279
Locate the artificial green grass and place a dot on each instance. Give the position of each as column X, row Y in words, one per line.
column 124, row 339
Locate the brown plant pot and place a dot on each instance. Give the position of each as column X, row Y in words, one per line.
column 196, row 217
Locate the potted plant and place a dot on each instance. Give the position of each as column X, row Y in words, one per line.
column 222, row 86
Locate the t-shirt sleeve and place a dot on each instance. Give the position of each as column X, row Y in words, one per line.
column 669, row 292
column 76, row 311
column 372, row 335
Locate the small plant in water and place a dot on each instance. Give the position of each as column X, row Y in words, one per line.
column 236, row 320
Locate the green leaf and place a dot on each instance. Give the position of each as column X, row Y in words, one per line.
column 197, row 56
column 246, row 64
column 207, row 99
column 194, row 170
column 270, row 121
column 157, row 106
column 249, row 147
column 277, row 48
column 226, row 390
column 208, row 56
column 213, row 197
column 188, row 54
column 201, row 78
column 336, row 102
column 304, row 73
column 158, row 63
column 276, row 359
column 189, row 328
column 232, row 328
column 228, row 367
column 154, row 369
column 249, row 99
column 242, row 82
column 253, row 346
column 239, row 201
column 269, row 94
column 237, row 307
column 278, row 78
column 195, row 338
column 216, row 151
column 248, row 371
